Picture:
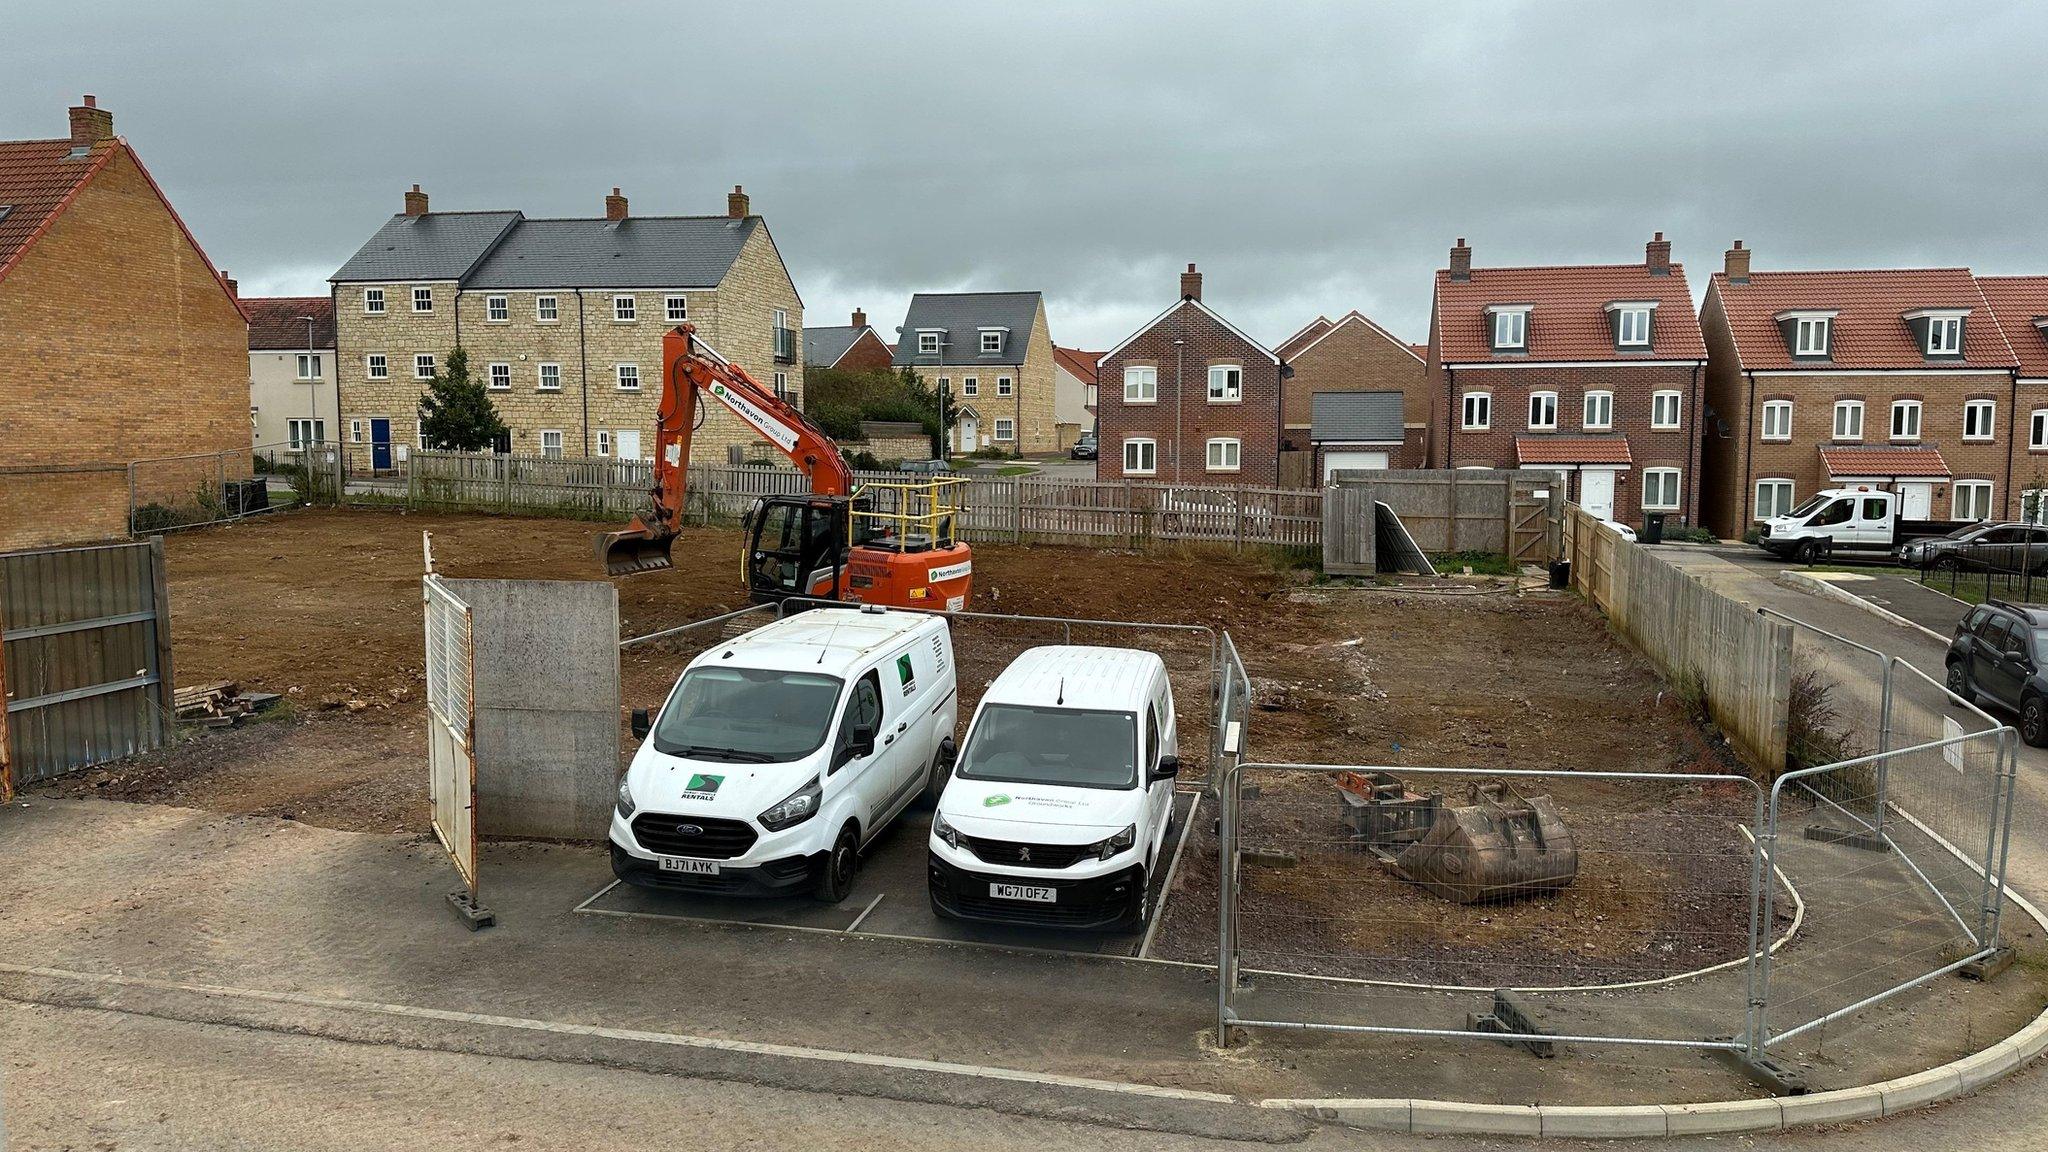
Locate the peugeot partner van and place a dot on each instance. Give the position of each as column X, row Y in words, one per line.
column 1057, row 810
column 779, row 754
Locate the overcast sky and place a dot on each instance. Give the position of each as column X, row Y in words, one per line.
column 1311, row 158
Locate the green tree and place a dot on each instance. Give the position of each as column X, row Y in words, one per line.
column 838, row 399
column 456, row 412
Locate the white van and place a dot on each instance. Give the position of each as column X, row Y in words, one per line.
column 1057, row 811
column 781, row 753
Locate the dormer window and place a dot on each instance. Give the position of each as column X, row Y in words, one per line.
column 928, row 343
column 1631, row 320
column 1510, row 327
column 1938, row 331
column 1808, row 334
column 992, row 340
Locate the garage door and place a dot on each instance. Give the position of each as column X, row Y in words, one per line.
column 1347, row 461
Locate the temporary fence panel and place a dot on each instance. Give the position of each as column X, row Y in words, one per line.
column 1648, row 943
column 451, row 727
column 1838, row 693
column 85, row 657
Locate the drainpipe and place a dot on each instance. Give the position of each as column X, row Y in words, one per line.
column 583, row 371
column 1746, row 498
column 2012, row 431
column 1450, row 414
column 1695, row 450
column 1180, row 344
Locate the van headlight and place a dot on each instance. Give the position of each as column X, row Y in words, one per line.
column 625, row 799
column 794, row 809
column 945, row 831
column 1121, row 842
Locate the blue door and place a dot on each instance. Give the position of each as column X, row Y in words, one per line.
column 380, row 445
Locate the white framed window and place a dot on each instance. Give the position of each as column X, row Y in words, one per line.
column 1006, row 428
column 1542, row 410
column 355, row 431
column 1945, row 338
column 1599, row 414
column 1510, row 329
column 675, row 308
column 1848, row 419
column 310, row 366
column 2037, row 432
column 423, row 366
column 623, row 309
column 1810, row 336
column 1005, row 386
column 604, row 442
column 550, row 376
column 1478, row 411
column 945, row 383
column 423, row 299
column 785, row 339
column 991, row 342
column 1141, row 456
column 419, row 434
column 1089, row 403
column 306, row 433
column 1777, row 420
column 1978, row 418
column 1972, row 500
column 546, row 310
column 1632, row 327
column 376, row 366
column 1226, row 383
column 1773, row 498
column 1665, row 410
column 497, row 309
column 782, row 385
column 629, row 377
column 1141, row 385
column 373, row 301
column 928, row 343
column 1224, row 453
column 501, row 377
column 551, row 443
column 1660, row 489
column 970, row 386
column 1905, row 419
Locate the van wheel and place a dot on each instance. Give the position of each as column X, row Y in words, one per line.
column 836, row 882
column 1807, row 551
column 2034, row 720
column 935, row 780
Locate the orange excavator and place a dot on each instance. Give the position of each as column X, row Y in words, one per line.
column 888, row 544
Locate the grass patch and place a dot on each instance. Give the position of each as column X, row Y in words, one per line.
column 1016, row 470
column 1481, row 563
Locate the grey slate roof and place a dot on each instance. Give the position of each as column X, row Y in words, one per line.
column 639, row 252
column 824, row 346
column 1372, row 417
column 961, row 315
column 437, row 246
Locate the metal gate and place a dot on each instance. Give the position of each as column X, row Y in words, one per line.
column 451, row 727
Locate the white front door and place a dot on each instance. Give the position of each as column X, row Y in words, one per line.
column 1596, row 492
column 1352, row 460
column 1916, row 500
column 967, row 431
column 627, row 443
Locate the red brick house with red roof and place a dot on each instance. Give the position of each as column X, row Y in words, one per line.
column 118, row 340
column 1593, row 371
column 1349, row 355
column 2020, row 306
column 1899, row 378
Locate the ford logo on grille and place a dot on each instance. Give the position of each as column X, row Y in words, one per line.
column 690, row 829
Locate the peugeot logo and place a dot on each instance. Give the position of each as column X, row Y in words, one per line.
column 1024, row 855
column 689, row 829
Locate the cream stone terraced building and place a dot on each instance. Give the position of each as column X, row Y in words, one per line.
column 562, row 320
column 992, row 354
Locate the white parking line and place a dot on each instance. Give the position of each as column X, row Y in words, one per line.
column 1166, row 886
column 864, row 912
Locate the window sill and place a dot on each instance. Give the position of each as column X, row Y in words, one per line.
column 1140, row 403
column 554, row 321
column 1475, row 428
column 1667, row 427
column 1979, row 439
column 1774, row 439
column 497, row 388
column 548, row 390
column 1215, row 400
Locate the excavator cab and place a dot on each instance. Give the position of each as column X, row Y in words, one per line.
column 796, row 546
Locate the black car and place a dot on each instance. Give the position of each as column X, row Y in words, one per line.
column 1084, row 448
column 1978, row 547
column 1999, row 652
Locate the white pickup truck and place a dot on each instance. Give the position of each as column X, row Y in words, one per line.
column 1848, row 520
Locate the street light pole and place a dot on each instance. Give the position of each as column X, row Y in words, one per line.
column 312, row 393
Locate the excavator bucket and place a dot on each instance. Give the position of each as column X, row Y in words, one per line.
column 1498, row 845
column 635, row 548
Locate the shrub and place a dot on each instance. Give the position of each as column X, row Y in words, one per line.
column 153, row 518
column 1689, row 534
column 1755, row 535
column 1481, row 563
column 1815, row 732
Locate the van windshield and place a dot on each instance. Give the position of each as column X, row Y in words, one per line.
column 1808, row 507
column 747, row 715
column 1018, row 744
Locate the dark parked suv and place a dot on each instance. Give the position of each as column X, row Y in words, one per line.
column 2000, row 651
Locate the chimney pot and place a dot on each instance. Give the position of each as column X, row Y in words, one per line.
column 90, row 124
column 1657, row 254
column 1461, row 260
column 860, row 318
column 1737, row 264
column 234, row 289
column 1191, row 284
column 737, row 205
column 615, row 206
column 415, row 202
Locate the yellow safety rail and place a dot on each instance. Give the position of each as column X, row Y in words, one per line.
column 899, row 509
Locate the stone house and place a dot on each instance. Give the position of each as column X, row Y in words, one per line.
column 854, row 347
column 1899, row 378
column 119, row 342
column 990, row 354
column 1190, row 399
column 562, row 320
column 291, row 372
column 1073, row 399
column 1352, row 354
column 1591, row 371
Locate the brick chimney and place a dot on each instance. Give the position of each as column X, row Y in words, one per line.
column 1657, row 254
column 1737, row 264
column 860, row 318
column 90, row 124
column 415, row 202
column 234, row 289
column 736, row 205
column 615, row 206
column 1461, row 260
column 1191, row 284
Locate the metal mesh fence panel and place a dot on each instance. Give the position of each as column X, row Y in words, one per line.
column 451, row 768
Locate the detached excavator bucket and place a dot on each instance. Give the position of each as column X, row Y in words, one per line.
column 635, row 548
column 1497, row 846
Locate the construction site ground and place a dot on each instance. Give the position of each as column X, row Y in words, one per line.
column 292, row 854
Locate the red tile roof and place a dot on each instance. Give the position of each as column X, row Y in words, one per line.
column 1421, row 351
column 1572, row 450
column 280, row 321
column 1869, row 326
column 37, row 179
column 1569, row 320
column 2018, row 302
column 1881, row 463
column 1081, row 364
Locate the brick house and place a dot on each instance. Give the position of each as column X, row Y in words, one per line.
column 1074, row 393
column 2020, row 306
column 119, row 342
column 1594, row 371
column 1894, row 377
column 291, row 371
column 991, row 353
column 1189, row 399
column 1352, row 354
column 562, row 320
column 854, row 347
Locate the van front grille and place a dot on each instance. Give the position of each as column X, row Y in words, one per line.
column 705, row 837
column 1026, row 855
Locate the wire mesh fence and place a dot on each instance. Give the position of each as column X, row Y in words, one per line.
column 451, row 742
column 1985, row 562
column 171, row 492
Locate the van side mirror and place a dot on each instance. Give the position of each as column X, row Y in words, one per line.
column 859, row 742
column 1167, row 769
column 641, row 725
